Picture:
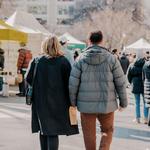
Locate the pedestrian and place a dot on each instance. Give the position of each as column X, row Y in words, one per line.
column 50, row 104
column 124, row 61
column 132, row 57
column 134, row 75
column 95, row 78
column 115, row 53
column 147, row 55
column 24, row 58
column 146, row 78
column 76, row 54
column 2, row 59
column 68, row 53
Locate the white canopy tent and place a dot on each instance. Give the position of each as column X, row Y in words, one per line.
column 26, row 22
column 73, row 42
column 139, row 47
column 71, row 39
column 21, row 18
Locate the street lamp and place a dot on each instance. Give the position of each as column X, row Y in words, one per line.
column 123, row 40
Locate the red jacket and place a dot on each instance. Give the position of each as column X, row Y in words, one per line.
column 24, row 58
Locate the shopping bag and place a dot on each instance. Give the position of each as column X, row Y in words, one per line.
column 19, row 78
column 73, row 115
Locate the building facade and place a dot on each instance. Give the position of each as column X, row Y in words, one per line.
column 61, row 11
column 50, row 12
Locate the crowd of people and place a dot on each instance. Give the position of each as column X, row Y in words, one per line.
column 137, row 73
column 95, row 82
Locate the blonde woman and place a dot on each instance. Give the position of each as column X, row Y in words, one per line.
column 50, row 102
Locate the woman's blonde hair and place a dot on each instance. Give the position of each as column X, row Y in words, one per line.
column 51, row 47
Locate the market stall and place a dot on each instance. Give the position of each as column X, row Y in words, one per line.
column 139, row 47
column 73, row 43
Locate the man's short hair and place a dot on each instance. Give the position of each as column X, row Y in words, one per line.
column 114, row 51
column 96, row 37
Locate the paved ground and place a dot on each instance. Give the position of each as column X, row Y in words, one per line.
column 16, row 134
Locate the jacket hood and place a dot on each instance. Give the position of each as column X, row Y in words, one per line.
column 139, row 62
column 95, row 55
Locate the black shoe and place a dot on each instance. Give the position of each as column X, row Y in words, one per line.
column 20, row 94
column 149, row 123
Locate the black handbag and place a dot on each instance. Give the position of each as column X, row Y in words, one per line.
column 29, row 91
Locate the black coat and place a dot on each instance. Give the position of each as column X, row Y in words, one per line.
column 50, row 107
column 2, row 59
column 124, row 61
column 146, row 77
column 134, row 75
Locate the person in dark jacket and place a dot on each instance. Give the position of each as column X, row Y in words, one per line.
column 147, row 55
column 124, row 61
column 95, row 78
column 134, row 75
column 50, row 106
column 76, row 54
column 146, row 78
column 24, row 58
column 67, row 53
column 2, row 59
column 115, row 53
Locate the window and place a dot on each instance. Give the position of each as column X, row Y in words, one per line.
column 41, row 21
column 62, row 10
column 61, row 21
column 71, row 10
column 38, row 9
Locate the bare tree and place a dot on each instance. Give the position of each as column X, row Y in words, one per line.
column 118, row 27
column 122, row 22
column 1, row 1
column 6, row 8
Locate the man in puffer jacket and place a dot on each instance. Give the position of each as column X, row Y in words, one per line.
column 96, row 79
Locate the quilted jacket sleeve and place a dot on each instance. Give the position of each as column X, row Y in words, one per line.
column 74, row 82
column 120, row 83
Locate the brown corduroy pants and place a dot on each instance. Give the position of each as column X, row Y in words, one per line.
column 88, row 122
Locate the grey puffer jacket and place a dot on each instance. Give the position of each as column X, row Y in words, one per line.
column 95, row 81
